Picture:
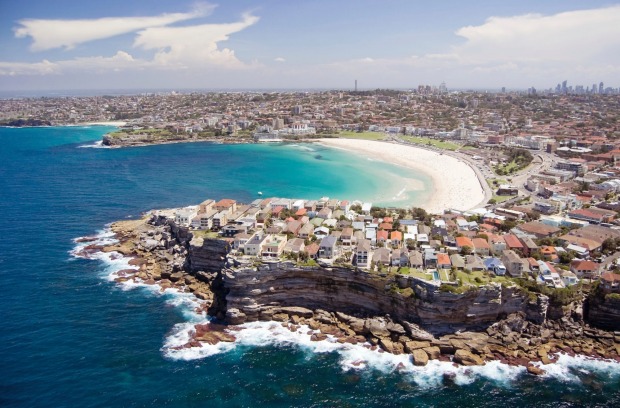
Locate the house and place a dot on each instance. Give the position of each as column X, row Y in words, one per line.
column 513, row 243
column 481, row 246
column 321, row 232
column 312, row 250
column 430, row 259
column 533, row 264
column 253, row 246
column 513, row 263
column 306, row 231
column 474, row 263
column 362, row 253
column 206, row 206
column 184, row 216
column 593, row 215
column 539, row 230
column 227, row 205
column 381, row 256
column 549, row 253
column 610, row 282
column 220, row 219
column 240, row 241
column 396, row 239
column 327, row 247
column 443, row 261
column 415, row 260
column 462, row 242
column 495, row 265
column 204, row 220
column 529, row 246
column 273, row 246
column 232, row 229
column 496, row 243
column 382, row 237
column 295, row 246
column 584, row 269
column 457, row 261
column 347, row 237
column 568, row 278
column 400, row 257
column 294, row 227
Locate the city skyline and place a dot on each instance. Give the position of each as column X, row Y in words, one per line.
column 317, row 44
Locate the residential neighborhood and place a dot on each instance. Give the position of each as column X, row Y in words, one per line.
column 457, row 249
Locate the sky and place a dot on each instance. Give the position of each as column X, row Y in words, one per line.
column 307, row 44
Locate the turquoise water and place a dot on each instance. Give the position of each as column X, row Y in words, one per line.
column 72, row 338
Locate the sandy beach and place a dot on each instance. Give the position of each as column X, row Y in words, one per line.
column 117, row 123
column 456, row 184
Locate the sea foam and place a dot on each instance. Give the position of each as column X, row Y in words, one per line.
column 358, row 357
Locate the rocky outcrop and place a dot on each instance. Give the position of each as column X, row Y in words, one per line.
column 207, row 255
column 360, row 293
column 604, row 311
column 395, row 313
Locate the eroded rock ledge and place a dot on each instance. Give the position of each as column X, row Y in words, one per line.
column 398, row 314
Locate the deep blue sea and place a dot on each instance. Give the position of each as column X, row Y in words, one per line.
column 70, row 337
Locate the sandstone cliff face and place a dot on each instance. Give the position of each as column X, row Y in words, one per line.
column 604, row 312
column 207, row 255
column 252, row 291
column 244, row 292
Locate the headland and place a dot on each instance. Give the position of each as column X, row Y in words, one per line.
column 352, row 273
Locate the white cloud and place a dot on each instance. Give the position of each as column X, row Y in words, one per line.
column 49, row 34
column 44, row 67
column 189, row 46
column 521, row 51
column 279, row 59
column 573, row 36
column 118, row 62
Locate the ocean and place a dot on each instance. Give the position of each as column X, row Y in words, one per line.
column 71, row 337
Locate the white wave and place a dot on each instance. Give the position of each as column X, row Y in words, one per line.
column 96, row 145
column 181, row 335
column 351, row 357
column 567, row 368
column 114, row 262
column 400, row 193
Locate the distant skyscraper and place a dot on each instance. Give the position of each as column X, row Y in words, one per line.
column 564, row 88
column 503, row 89
column 593, row 88
column 600, row 88
column 356, row 85
column 443, row 88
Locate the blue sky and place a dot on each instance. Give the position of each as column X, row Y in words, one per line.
column 65, row 44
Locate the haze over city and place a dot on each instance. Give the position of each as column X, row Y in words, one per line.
column 314, row 44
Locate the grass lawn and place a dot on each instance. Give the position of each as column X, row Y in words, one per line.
column 415, row 273
column 363, row 135
column 469, row 278
column 206, row 234
column 494, row 187
column 428, row 141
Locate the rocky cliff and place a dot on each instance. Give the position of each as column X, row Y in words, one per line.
column 397, row 313
column 252, row 290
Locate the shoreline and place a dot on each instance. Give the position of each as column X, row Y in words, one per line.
column 149, row 267
column 456, row 185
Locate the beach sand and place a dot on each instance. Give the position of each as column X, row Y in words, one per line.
column 456, row 184
column 117, row 123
